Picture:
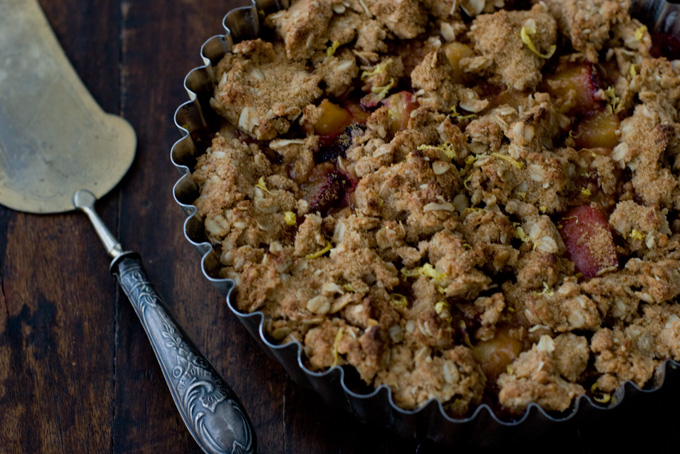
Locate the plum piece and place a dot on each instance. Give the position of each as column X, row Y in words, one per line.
column 359, row 114
column 665, row 45
column 589, row 240
column 337, row 185
column 370, row 101
column 331, row 149
column 576, row 88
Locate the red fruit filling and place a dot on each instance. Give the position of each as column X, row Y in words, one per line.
column 331, row 150
column 337, row 185
column 589, row 240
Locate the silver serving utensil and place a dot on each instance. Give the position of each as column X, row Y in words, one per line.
column 59, row 151
column 662, row 17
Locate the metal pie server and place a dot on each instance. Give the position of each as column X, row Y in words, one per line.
column 59, row 151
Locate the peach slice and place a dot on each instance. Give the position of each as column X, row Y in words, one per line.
column 400, row 106
column 455, row 52
column 576, row 88
column 333, row 119
column 496, row 354
column 597, row 130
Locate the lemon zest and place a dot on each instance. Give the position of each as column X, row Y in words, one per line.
column 640, row 33
column 379, row 69
column 520, row 234
column 458, row 116
column 446, row 148
column 467, row 180
column 510, row 159
column 633, row 70
column 425, row 270
column 542, row 209
column 511, row 309
column 598, row 396
column 290, row 218
column 262, row 185
column 399, row 300
column 526, row 33
column 318, row 254
column 468, row 165
column 635, row 234
column 574, row 136
column 441, row 306
column 330, row 51
column 603, row 399
column 586, row 192
column 546, row 290
column 338, row 337
column 612, row 99
column 382, row 91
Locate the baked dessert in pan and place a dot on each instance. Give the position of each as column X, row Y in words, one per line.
column 456, row 212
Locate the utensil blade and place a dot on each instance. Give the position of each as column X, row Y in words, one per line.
column 54, row 137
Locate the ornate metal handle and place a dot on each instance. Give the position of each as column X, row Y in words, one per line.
column 661, row 16
column 210, row 409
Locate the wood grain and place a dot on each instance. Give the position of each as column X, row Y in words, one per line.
column 77, row 374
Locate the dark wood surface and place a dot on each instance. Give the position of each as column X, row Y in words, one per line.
column 77, row 374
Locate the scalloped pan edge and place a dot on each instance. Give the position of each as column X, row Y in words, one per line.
column 194, row 119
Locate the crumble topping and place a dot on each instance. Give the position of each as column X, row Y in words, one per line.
column 461, row 201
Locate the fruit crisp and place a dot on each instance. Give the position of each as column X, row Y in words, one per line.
column 473, row 201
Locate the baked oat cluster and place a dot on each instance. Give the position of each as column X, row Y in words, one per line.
column 460, row 200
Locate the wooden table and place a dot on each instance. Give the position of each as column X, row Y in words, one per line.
column 77, row 374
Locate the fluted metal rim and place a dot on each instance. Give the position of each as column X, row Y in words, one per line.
column 429, row 421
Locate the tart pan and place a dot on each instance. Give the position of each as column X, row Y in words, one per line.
column 339, row 386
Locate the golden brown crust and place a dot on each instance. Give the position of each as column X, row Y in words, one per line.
column 396, row 195
column 497, row 37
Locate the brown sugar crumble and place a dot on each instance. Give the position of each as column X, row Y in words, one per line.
column 472, row 201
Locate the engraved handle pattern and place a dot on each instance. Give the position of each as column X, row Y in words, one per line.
column 210, row 409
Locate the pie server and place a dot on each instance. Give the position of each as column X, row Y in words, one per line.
column 59, row 151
